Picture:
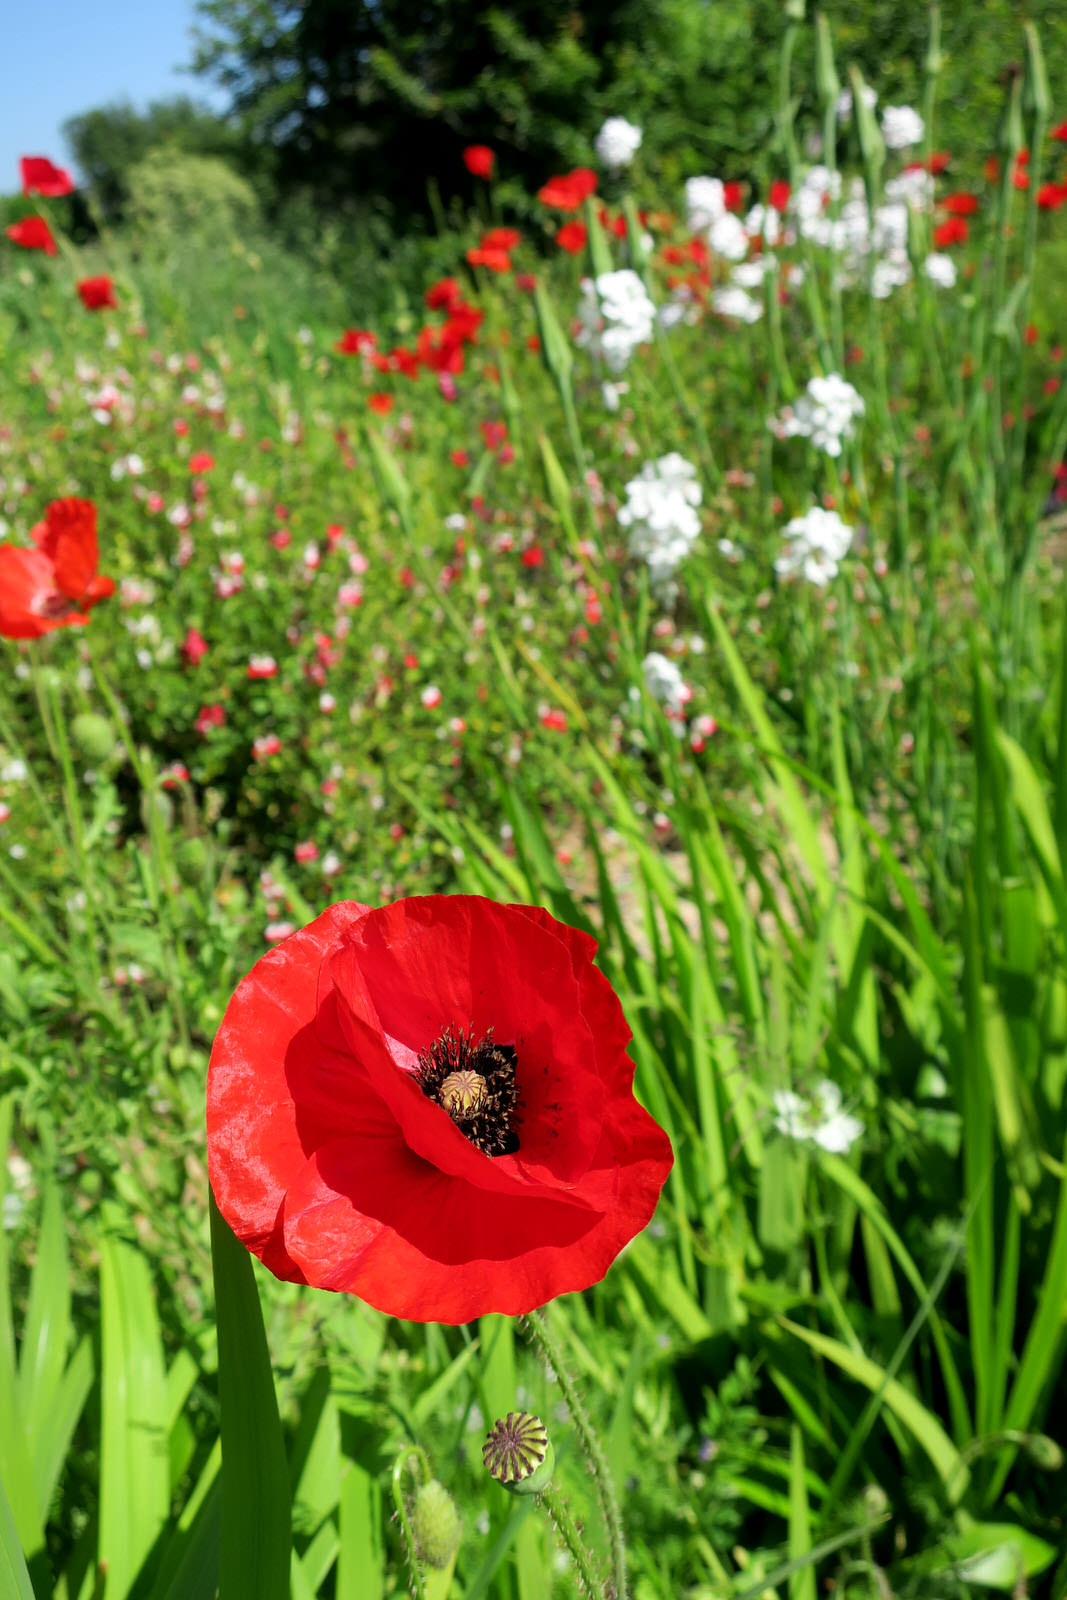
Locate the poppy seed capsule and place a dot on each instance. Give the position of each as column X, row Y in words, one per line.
column 463, row 1094
column 518, row 1453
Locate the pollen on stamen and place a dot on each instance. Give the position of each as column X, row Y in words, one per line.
column 474, row 1081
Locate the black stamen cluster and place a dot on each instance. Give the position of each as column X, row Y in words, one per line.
column 494, row 1127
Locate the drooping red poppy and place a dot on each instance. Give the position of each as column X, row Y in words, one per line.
column 41, row 176
column 444, row 294
column 960, row 204
column 56, row 584
column 566, row 193
column 493, row 260
column 479, row 160
column 501, row 239
column 1051, row 196
column 953, row 230
column 355, row 342
column 32, row 233
column 778, row 194
column 429, row 1105
column 97, row 294
column 572, row 237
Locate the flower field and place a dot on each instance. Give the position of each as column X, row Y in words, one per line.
column 653, row 626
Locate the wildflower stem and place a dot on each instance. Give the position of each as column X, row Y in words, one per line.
column 567, row 1529
column 594, row 1452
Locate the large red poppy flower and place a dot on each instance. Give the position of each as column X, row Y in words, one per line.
column 429, row 1105
column 41, row 176
column 56, row 584
column 32, row 233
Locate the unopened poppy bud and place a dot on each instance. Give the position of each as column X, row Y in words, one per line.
column 518, row 1453
column 436, row 1524
column 1044, row 1452
column 92, row 736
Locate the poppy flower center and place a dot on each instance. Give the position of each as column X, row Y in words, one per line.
column 474, row 1081
column 52, row 604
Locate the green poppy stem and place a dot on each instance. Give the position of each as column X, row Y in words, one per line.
column 552, row 1351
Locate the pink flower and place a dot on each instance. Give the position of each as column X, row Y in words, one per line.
column 275, row 932
column 194, row 647
column 267, row 744
column 262, row 667
column 308, row 851
column 431, row 697
column 210, row 717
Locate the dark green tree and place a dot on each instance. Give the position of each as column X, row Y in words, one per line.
column 108, row 143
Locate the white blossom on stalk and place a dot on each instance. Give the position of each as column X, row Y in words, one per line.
column 815, row 544
column 664, row 682
column 660, row 515
column 902, row 126
column 727, row 237
column 616, row 316
column 705, row 201
column 825, row 414
column 941, row 269
column 820, row 1120
column 736, row 302
column 617, row 143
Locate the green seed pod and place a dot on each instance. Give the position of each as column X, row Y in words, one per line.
column 92, row 736
column 156, row 806
column 436, row 1524
column 1044, row 1452
column 190, row 858
column 827, row 82
column 518, row 1453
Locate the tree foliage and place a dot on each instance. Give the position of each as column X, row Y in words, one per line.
column 109, row 142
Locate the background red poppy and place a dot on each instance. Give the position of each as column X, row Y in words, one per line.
column 335, row 1168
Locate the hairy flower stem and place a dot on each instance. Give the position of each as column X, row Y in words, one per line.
column 552, row 1351
column 415, row 1459
column 567, row 1529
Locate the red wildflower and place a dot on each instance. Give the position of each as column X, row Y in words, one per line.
column 478, row 160
column 201, row 461
column 778, row 194
column 1051, row 196
column 41, row 176
column 444, row 294
column 568, row 192
column 1059, row 132
column 533, row 556
column 32, row 233
column 194, row 647
column 960, row 205
column 572, row 236
column 554, row 720
column 429, row 1105
column 405, row 361
column 501, row 239
column 952, row 231
column 56, row 584
column 355, row 342
column 494, row 260
column 731, row 195
column 97, row 294
column 381, row 404
column 209, row 717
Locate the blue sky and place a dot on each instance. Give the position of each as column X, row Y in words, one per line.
column 66, row 56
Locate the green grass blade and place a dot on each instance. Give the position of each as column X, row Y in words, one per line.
column 254, row 1558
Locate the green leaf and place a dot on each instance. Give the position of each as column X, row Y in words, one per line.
column 14, row 1575
column 256, row 1538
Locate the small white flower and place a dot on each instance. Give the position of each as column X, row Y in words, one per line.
column 815, row 544
column 665, row 682
column 820, row 1120
column 736, row 302
column 617, row 143
column 661, row 515
column 941, row 269
column 901, row 126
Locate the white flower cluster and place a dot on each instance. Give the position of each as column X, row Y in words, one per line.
column 866, row 242
column 820, row 1120
column 815, row 544
column 616, row 315
column 661, row 516
column 825, row 414
column 617, row 143
column 902, row 126
column 705, row 202
column 941, row 270
column 665, row 683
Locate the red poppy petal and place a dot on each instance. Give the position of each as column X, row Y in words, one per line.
column 253, row 1127
column 418, row 966
column 30, row 604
